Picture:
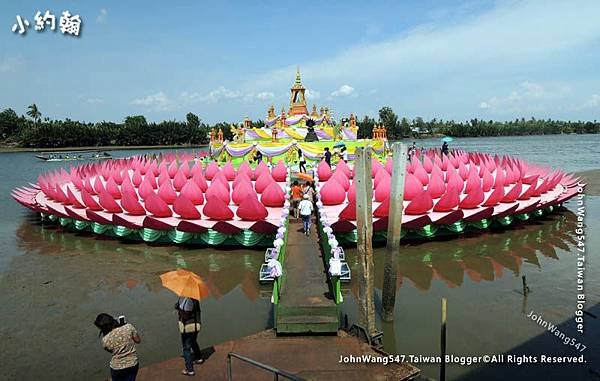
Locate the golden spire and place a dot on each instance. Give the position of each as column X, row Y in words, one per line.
column 298, row 80
column 297, row 98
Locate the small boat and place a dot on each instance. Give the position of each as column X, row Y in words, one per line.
column 76, row 155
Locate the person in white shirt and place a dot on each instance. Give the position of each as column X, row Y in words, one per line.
column 306, row 209
column 344, row 154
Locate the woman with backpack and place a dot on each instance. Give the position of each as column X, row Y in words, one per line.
column 189, row 314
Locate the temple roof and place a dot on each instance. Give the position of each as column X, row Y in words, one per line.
column 298, row 83
column 298, row 110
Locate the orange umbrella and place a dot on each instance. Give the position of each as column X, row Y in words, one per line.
column 185, row 283
column 304, row 176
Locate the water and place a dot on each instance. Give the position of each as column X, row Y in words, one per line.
column 567, row 152
column 53, row 283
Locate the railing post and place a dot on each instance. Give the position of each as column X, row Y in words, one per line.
column 228, row 367
column 276, row 372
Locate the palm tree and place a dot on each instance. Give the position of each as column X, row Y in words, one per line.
column 34, row 113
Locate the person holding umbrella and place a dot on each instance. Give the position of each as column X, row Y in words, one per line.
column 445, row 141
column 445, row 148
column 191, row 289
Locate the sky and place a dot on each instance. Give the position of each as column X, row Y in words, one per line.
column 451, row 60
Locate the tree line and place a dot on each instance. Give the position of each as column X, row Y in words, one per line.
column 31, row 130
column 398, row 128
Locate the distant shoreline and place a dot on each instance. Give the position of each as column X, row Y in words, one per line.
column 12, row 149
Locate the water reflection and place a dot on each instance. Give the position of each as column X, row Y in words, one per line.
column 139, row 264
column 482, row 257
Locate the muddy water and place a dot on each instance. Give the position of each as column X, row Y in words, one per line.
column 481, row 278
column 53, row 283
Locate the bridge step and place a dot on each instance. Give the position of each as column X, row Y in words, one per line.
column 307, row 324
column 287, row 310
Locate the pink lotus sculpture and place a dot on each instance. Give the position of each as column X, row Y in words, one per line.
column 449, row 193
column 171, row 198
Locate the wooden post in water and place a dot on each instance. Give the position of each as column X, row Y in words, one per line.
column 525, row 287
column 364, row 228
column 390, row 269
column 443, row 340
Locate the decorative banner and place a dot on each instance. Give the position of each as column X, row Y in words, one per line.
column 269, row 149
column 283, row 135
column 297, row 134
column 292, row 120
column 216, row 151
column 273, row 151
column 237, row 150
column 310, row 152
column 322, row 135
column 263, row 133
column 349, row 134
column 251, row 134
column 272, row 121
column 295, row 119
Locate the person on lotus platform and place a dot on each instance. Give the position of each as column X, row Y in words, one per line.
column 301, row 161
column 344, row 154
column 327, row 156
column 258, row 156
column 296, row 198
column 306, row 209
column 445, row 148
column 119, row 338
column 309, row 190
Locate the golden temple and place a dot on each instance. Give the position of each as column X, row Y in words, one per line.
column 297, row 112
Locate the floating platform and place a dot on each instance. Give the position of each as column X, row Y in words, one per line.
column 445, row 194
column 166, row 199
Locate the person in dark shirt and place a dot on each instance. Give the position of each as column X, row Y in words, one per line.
column 258, row 156
column 445, row 148
column 302, row 161
column 327, row 156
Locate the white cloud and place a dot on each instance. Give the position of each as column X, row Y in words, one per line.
column 455, row 60
column 219, row 93
column 265, row 95
column 593, row 102
column 102, row 16
column 189, row 98
column 344, row 91
column 312, row 94
column 527, row 96
column 156, row 102
column 94, row 101
column 222, row 93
